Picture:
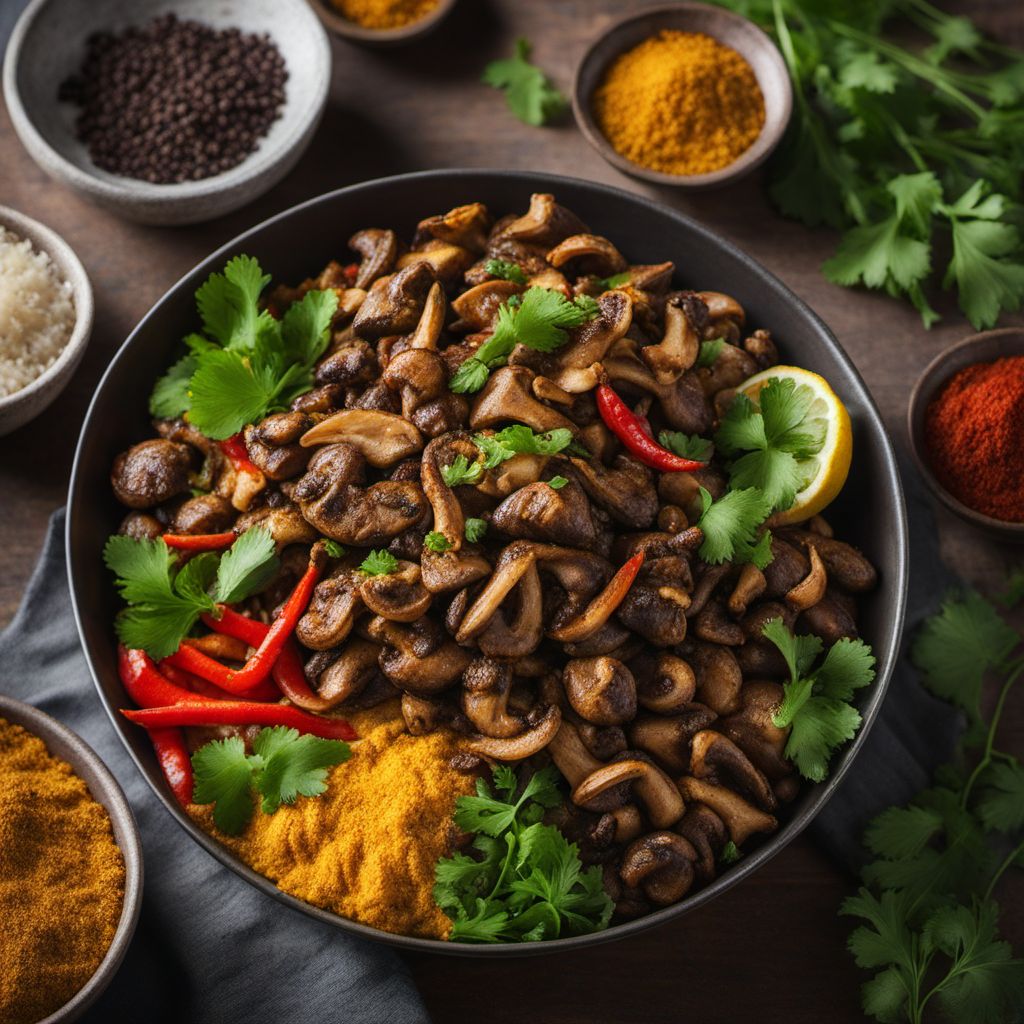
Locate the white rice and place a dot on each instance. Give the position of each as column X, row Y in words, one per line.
column 37, row 313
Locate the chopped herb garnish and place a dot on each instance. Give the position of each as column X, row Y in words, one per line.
column 436, row 542
column 529, row 94
column 506, row 271
column 379, row 563
column 615, row 281
column 687, row 446
column 557, row 482
column 462, row 471
column 333, row 548
column 475, row 529
column 730, row 527
column 709, row 352
column 519, row 439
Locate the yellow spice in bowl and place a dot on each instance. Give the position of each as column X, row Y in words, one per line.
column 680, row 103
column 384, row 14
column 366, row 848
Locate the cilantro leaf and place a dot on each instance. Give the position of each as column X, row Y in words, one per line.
column 247, row 566
column 470, row 377
column 506, row 271
column 709, row 352
column 902, row 832
column 730, row 527
column 170, row 395
column 435, row 541
column 462, row 471
column 556, row 483
column 223, row 777
column 800, row 651
column 1001, row 801
column 228, row 303
column 615, row 281
column 333, row 548
column 305, row 326
column 730, row 853
column 475, row 529
column 688, row 446
column 294, row 765
column 379, row 563
column 528, row 93
column 518, row 439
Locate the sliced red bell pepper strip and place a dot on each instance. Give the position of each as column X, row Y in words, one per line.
column 200, row 541
column 175, row 762
column 242, row 712
column 147, row 685
column 234, row 448
column 628, row 428
column 288, row 671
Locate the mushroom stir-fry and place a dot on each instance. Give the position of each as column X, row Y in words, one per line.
column 495, row 479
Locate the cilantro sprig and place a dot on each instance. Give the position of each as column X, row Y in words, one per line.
column 540, row 322
column 282, row 767
column 519, row 439
column 506, row 270
column 379, row 563
column 816, row 706
column 929, row 920
column 246, row 363
column 730, row 526
column 528, row 93
column 166, row 598
column 524, row 881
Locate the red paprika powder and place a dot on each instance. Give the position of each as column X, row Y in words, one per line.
column 974, row 433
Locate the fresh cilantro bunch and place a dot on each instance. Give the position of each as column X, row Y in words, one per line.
column 282, row 767
column 816, row 706
column 528, row 92
column 246, row 363
column 910, row 151
column 540, row 322
column 768, row 444
column 166, row 598
column 525, row 882
column 930, row 932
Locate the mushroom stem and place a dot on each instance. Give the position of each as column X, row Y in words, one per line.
column 811, row 589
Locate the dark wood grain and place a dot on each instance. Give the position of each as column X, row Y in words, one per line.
column 771, row 949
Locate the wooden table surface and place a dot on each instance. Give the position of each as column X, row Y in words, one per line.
column 772, row 948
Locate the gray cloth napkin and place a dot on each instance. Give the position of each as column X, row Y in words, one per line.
column 209, row 947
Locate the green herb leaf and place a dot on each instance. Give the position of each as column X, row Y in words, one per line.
column 518, row 439
column 1001, row 801
column 557, row 482
column 333, row 548
column 475, row 530
column 435, row 541
column 462, row 471
column 529, row 94
column 709, row 352
column 687, row 446
column 294, row 765
column 228, row 304
column 223, row 777
column 730, row 527
column 506, row 271
column 247, row 566
column 615, row 281
column 730, row 854
column 170, row 397
column 379, row 563
column 470, row 377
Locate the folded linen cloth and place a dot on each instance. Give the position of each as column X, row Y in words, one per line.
column 210, row 949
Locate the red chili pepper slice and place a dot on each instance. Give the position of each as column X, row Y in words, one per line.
column 606, row 601
column 351, row 272
column 234, row 448
column 174, row 760
column 147, row 685
column 627, row 427
column 242, row 712
column 200, row 541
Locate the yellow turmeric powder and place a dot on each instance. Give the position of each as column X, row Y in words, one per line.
column 61, row 880
column 383, row 14
column 680, row 103
column 366, row 848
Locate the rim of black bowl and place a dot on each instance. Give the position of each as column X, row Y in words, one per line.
column 817, row 796
column 933, row 379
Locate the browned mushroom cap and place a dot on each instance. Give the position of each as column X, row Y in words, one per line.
column 718, row 676
column 142, row 526
column 621, row 825
column 486, row 685
column 512, row 565
column 715, row 626
column 811, row 589
column 379, row 249
column 205, row 513
column 731, row 367
column 762, row 348
column 382, row 438
column 664, row 682
column 677, row 351
column 603, row 741
column 651, row 277
column 423, row 715
column 332, row 610
column 273, row 444
column 830, row 618
column 600, row 690
column 653, row 788
column 507, row 397
column 786, row 569
column 591, row 254
column 741, row 818
column 512, row 474
column 333, row 500
column 750, row 585
column 477, row 307
column 448, row 261
column 846, row 566
column 437, row 456
column 722, row 307
column 150, row 473
column 624, row 490
column 519, row 634
column 347, row 674
column 398, row 595
column 706, row 832
column 352, row 364
column 661, row 865
column 464, row 225
column 551, row 279
column 539, row 512
column 657, row 611
column 667, row 738
column 575, row 761
column 394, row 304
column 417, row 656
column 542, row 726
column 752, row 728
column 284, row 523
column 716, row 758
column 452, row 570
column 545, row 223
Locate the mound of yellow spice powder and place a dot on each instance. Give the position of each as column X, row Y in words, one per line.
column 366, row 849
column 680, row 103
column 61, row 880
column 384, row 14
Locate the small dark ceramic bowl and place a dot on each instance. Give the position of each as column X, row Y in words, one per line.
column 295, row 244
column 63, row 743
column 337, row 23
column 731, row 30
column 978, row 348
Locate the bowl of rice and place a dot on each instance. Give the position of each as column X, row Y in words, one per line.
column 46, row 315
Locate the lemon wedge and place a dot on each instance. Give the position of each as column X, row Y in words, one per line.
column 826, row 471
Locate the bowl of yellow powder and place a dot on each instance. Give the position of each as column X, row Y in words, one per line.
column 382, row 22
column 688, row 95
column 70, row 870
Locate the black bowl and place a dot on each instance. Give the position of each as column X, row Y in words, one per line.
column 296, row 243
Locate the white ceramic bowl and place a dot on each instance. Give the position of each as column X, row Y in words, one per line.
column 17, row 409
column 48, row 45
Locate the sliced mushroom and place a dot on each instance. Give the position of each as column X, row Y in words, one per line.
column 601, row 690
column 332, row 610
column 752, row 728
column 664, row 682
column 742, row 819
column 423, row 715
column 284, row 523
column 448, row 261
column 621, row 825
column 428, row 330
column 379, row 250
column 398, row 595
column 846, row 566
column 539, row 512
column 573, row 367
column 653, row 788
column 465, row 226
column 273, row 444
column 750, row 585
column 526, row 744
column 713, row 625
column 452, row 570
column 706, row 832
column 667, row 738
column 661, row 865
column 518, row 635
column 589, row 620
column 382, row 438
column 150, row 473
column 507, row 398
column 395, row 303
column 351, row 364
column 624, row 489
column 719, row 678
column 716, row 758
column 830, row 619
column 513, row 563
column 593, row 254
column 205, row 513
column 486, row 685
column 437, row 456
column 678, row 349
column 348, row 674
column 478, row 306
column 545, row 223
column 416, row 656
column 576, row 763
column 657, row 612
column 811, row 589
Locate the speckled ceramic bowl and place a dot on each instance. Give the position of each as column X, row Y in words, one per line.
column 47, row 46
column 17, row 409
column 337, row 23
column 63, row 743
